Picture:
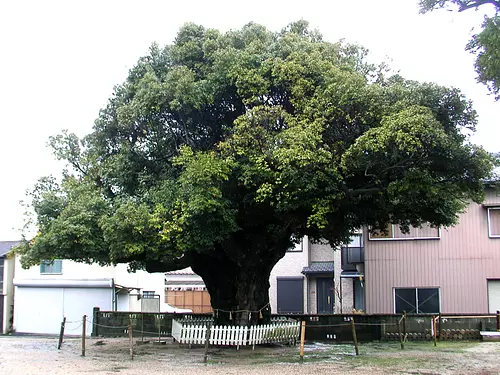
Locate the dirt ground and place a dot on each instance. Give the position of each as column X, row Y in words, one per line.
column 35, row 355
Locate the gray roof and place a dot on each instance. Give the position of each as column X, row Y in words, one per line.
column 320, row 267
column 5, row 246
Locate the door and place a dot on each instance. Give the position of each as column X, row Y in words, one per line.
column 493, row 296
column 324, row 295
column 359, row 294
column 290, row 298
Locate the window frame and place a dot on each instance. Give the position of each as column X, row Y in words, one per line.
column 370, row 238
column 2, row 273
column 148, row 294
column 489, row 222
column 416, row 298
column 50, row 263
column 298, row 247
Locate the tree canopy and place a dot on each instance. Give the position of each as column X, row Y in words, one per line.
column 221, row 150
column 485, row 44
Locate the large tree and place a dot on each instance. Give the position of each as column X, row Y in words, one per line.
column 485, row 44
column 223, row 149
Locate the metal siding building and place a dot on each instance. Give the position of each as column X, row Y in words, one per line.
column 461, row 263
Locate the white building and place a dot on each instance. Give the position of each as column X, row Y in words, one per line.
column 45, row 294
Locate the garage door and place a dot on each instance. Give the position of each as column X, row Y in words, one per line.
column 493, row 296
column 41, row 310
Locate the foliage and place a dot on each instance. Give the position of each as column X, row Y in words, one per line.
column 485, row 44
column 222, row 149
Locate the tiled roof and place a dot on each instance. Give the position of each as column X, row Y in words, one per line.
column 185, row 271
column 5, row 246
column 320, row 267
column 190, row 282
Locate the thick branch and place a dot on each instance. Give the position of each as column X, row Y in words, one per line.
column 464, row 5
column 171, row 265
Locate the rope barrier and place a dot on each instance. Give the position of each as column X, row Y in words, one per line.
column 74, row 329
column 105, row 326
column 216, row 311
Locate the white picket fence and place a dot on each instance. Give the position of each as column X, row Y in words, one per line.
column 186, row 332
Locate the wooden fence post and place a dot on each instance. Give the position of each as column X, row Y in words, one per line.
column 159, row 330
column 95, row 322
column 405, row 335
column 84, row 323
column 302, row 339
column 498, row 321
column 355, row 338
column 207, row 339
column 434, row 330
column 130, row 339
column 142, row 327
column 400, row 334
column 61, row 333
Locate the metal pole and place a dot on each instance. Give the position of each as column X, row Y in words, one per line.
column 61, row 333
column 84, row 323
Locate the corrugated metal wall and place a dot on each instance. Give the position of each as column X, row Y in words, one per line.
column 459, row 263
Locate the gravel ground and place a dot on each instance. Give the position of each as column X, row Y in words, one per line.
column 35, row 355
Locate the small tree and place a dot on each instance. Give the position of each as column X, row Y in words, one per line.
column 223, row 149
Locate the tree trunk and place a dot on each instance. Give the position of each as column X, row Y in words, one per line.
column 239, row 291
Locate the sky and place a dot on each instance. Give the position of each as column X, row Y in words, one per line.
column 59, row 62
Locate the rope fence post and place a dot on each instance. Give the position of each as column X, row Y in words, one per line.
column 84, row 323
column 405, row 335
column 354, row 336
column 434, row 330
column 401, row 334
column 61, row 333
column 302, row 339
column 207, row 339
column 130, row 339
column 159, row 331
column 95, row 321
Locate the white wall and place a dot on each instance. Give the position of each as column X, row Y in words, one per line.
column 40, row 310
column 70, row 270
column 79, row 271
column 290, row 265
column 8, row 289
column 141, row 279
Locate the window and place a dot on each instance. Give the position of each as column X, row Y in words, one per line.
column 148, row 294
column 394, row 232
column 1, row 275
column 297, row 246
column 416, row 300
column 352, row 253
column 51, row 266
column 290, row 295
column 494, row 222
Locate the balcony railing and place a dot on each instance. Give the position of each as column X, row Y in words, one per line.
column 350, row 256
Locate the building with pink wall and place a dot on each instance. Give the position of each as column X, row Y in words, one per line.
column 450, row 270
